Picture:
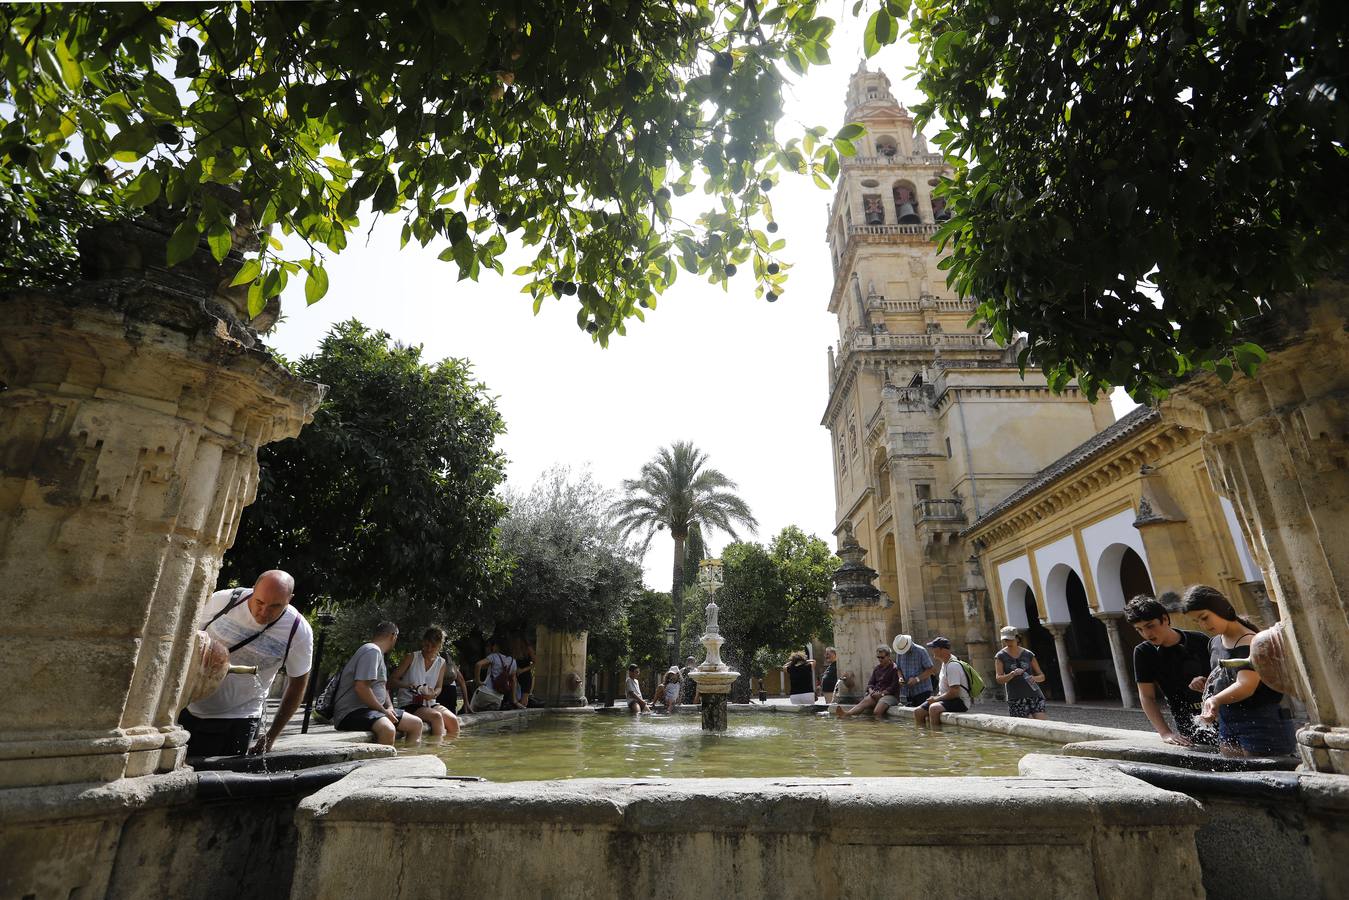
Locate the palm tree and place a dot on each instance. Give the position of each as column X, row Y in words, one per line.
column 677, row 491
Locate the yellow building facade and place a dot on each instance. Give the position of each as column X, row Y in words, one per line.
column 1130, row 511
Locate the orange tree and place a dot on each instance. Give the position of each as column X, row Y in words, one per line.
column 567, row 126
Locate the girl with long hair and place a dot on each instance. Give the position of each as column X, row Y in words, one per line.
column 1249, row 713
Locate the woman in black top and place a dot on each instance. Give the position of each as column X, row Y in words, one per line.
column 1251, row 720
column 801, row 678
column 524, row 669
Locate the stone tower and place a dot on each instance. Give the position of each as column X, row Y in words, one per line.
column 932, row 423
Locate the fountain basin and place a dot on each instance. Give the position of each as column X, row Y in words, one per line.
column 1082, row 828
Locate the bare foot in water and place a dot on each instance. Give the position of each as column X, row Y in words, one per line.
column 838, row 711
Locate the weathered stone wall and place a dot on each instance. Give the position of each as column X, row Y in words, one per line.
column 559, row 667
column 1082, row 831
column 132, row 410
column 1278, row 447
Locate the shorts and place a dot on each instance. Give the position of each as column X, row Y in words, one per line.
column 362, row 719
column 217, row 737
column 886, row 701
column 917, row 699
column 1025, row 707
column 952, row 705
column 1260, row 730
column 485, row 699
column 413, row 707
column 802, row 699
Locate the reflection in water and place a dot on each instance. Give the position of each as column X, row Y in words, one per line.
column 757, row 745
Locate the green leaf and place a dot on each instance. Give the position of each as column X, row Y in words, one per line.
column 316, row 285
column 144, row 189
column 71, row 73
column 257, row 300
column 183, row 242
column 161, row 96
column 850, row 132
column 220, row 241
column 249, row 271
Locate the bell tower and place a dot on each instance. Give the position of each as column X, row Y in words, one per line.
column 932, row 423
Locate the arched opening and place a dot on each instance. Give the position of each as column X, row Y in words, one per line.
column 888, row 567
column 1041, row 643
column 906, row 203
column 1120, row 575
column 939, row 211
column 873, row 209
column 1088, row 645
column 887, row 146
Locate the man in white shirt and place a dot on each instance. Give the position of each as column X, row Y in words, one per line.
column 953, row 687
column 260, row 628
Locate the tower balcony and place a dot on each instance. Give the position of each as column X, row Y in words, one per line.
column 946, row 511
column 911, row 159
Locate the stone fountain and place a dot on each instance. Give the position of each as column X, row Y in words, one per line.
column 714, row 677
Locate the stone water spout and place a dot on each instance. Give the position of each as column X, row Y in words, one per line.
column 714, row 678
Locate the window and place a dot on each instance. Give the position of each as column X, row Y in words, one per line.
column 887, row 146
column 923, row 491
column 852, row 434
column 906, row 203
column 948, row 448
column 873, row 210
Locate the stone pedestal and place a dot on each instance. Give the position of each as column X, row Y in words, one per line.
column 559, row 667
column 858, row 610
column 1061, row 651
column 1278, row 447
column 714, row 711
column 133, row 408
column 1123, row 666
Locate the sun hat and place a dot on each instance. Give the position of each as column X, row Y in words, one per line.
column 903, row 643
column 940, row 642
column 1009, row 632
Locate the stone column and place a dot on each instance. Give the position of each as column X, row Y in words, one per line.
column 559, row 667
column 1061, row 651
column 135, row 405
column 858, row 610
column 1278, row 447
column 1112, row 622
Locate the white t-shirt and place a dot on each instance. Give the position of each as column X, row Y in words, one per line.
column 952, row 672
column 242, row 696
column 634, row 689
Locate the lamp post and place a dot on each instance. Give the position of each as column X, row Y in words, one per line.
column 324, row 620
column 670, row 640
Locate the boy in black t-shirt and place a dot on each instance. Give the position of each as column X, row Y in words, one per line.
column 1165, row 664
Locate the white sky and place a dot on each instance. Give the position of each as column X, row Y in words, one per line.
column 742, row 379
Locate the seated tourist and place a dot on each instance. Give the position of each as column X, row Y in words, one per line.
column 829, row 677
column 497, row 691
column 915, row 670
column 1164, row 665
column 953, row 687
column 633, row 691
column 689, row 692
column 363, row 702
column 1249, row 713
column 882, row 688
column 800, row 679
column 667, row 693
column 418, row 681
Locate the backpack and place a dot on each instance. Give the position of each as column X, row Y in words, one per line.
column 326, row 704
column 502, row 682
column 976, row 681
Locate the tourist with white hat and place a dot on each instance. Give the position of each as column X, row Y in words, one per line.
column 915, row 670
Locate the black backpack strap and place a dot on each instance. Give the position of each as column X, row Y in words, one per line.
column 285, row 654
column 234, row 600
column 259, row 633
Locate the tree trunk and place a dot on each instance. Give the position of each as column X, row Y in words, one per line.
column 677, row 589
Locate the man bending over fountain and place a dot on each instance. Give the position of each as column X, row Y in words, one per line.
column 882, row 689
column 260, row 628
column 634, row 690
